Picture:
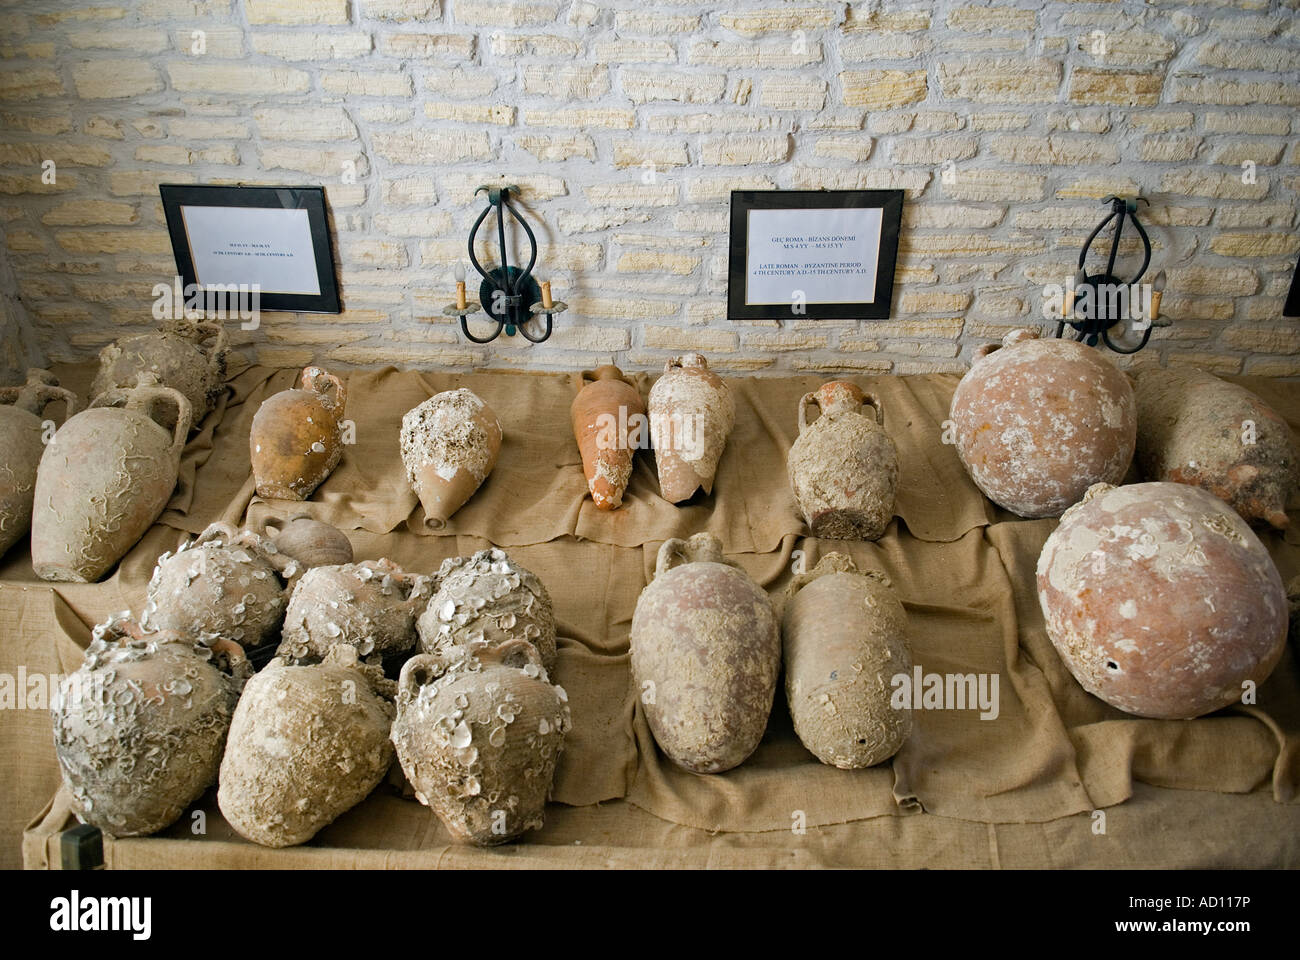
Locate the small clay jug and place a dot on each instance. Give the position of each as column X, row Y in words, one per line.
column 845, row 639
column 140, row 726
column 307, row 744
column 22, row 433
column 227, row 583
column 297, row 437
column 450, row 444
column 843, row 465
column 313, row 543
column 103, row 481
column 487, row 598
column 609, row 423
column 478, row 739
column 706, row 650
column 177, row 356
column 691, row 414
column 370, row 605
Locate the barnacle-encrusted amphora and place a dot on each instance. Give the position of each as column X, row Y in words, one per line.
column 479, row 738
column 449, row 444
column 370, row 606
column 140, row 726
column 176, row 355
column 103, row 481
column 691, row 414
column 226, row 582
column 843, row 466
column 487, row 598
column 307, row 744
column 608, row 414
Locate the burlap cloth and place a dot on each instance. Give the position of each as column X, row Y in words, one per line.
column 1007, row 791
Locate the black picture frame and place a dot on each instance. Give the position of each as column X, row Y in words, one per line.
column 877, row 307
column 1292, row 308
column 175, row 196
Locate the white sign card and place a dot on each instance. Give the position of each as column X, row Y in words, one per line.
column 827, row 255
column 252, row 245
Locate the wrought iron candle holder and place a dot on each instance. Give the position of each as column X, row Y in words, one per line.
column 509, row 295
column 1110, row 299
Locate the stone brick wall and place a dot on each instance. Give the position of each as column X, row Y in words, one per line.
column 628, row 123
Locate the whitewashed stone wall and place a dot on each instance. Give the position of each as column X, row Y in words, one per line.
column 628, row 123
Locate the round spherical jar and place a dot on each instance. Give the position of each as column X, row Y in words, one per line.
column 1161, row 600
column 1039, row 421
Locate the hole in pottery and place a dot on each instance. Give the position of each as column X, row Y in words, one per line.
column 1112, row 665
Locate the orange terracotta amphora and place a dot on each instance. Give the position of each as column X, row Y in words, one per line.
column 609, row 423
column 297, row 437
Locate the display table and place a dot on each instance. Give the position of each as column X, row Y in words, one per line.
column 1020, row 789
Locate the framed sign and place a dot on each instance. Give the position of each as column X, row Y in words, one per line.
column 823, row 254
column 276, row 238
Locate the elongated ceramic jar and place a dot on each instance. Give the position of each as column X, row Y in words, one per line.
column 1038, row 421
column 140, row 726
column 691, row 414
column 103, row 481
column 370, row 606
column 487, row 598
column 307, row 744
column 22, row 441
column 706, row 650
column 188, row 355
column 479, row 738
column 609, row 423
column 296, row 439
column 450, row 444
column 1195, row 428
column 843, row 466
column 227, row 583
column 845, row 638
column 1161, row 600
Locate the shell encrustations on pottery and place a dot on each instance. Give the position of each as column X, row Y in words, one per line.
column 370, row 606
column 488, row 598
column 307, row 744
column 140, row 726
column 1161, row 600
column 479, row 737
column 227, row 582
column 843, row 465
column 1197, row 429
column 104, row 479
column 176, row 356
column 449, row 444
column 313, row 543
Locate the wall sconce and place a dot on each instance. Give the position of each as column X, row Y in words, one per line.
column 1096, row 302
column 510, row 296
